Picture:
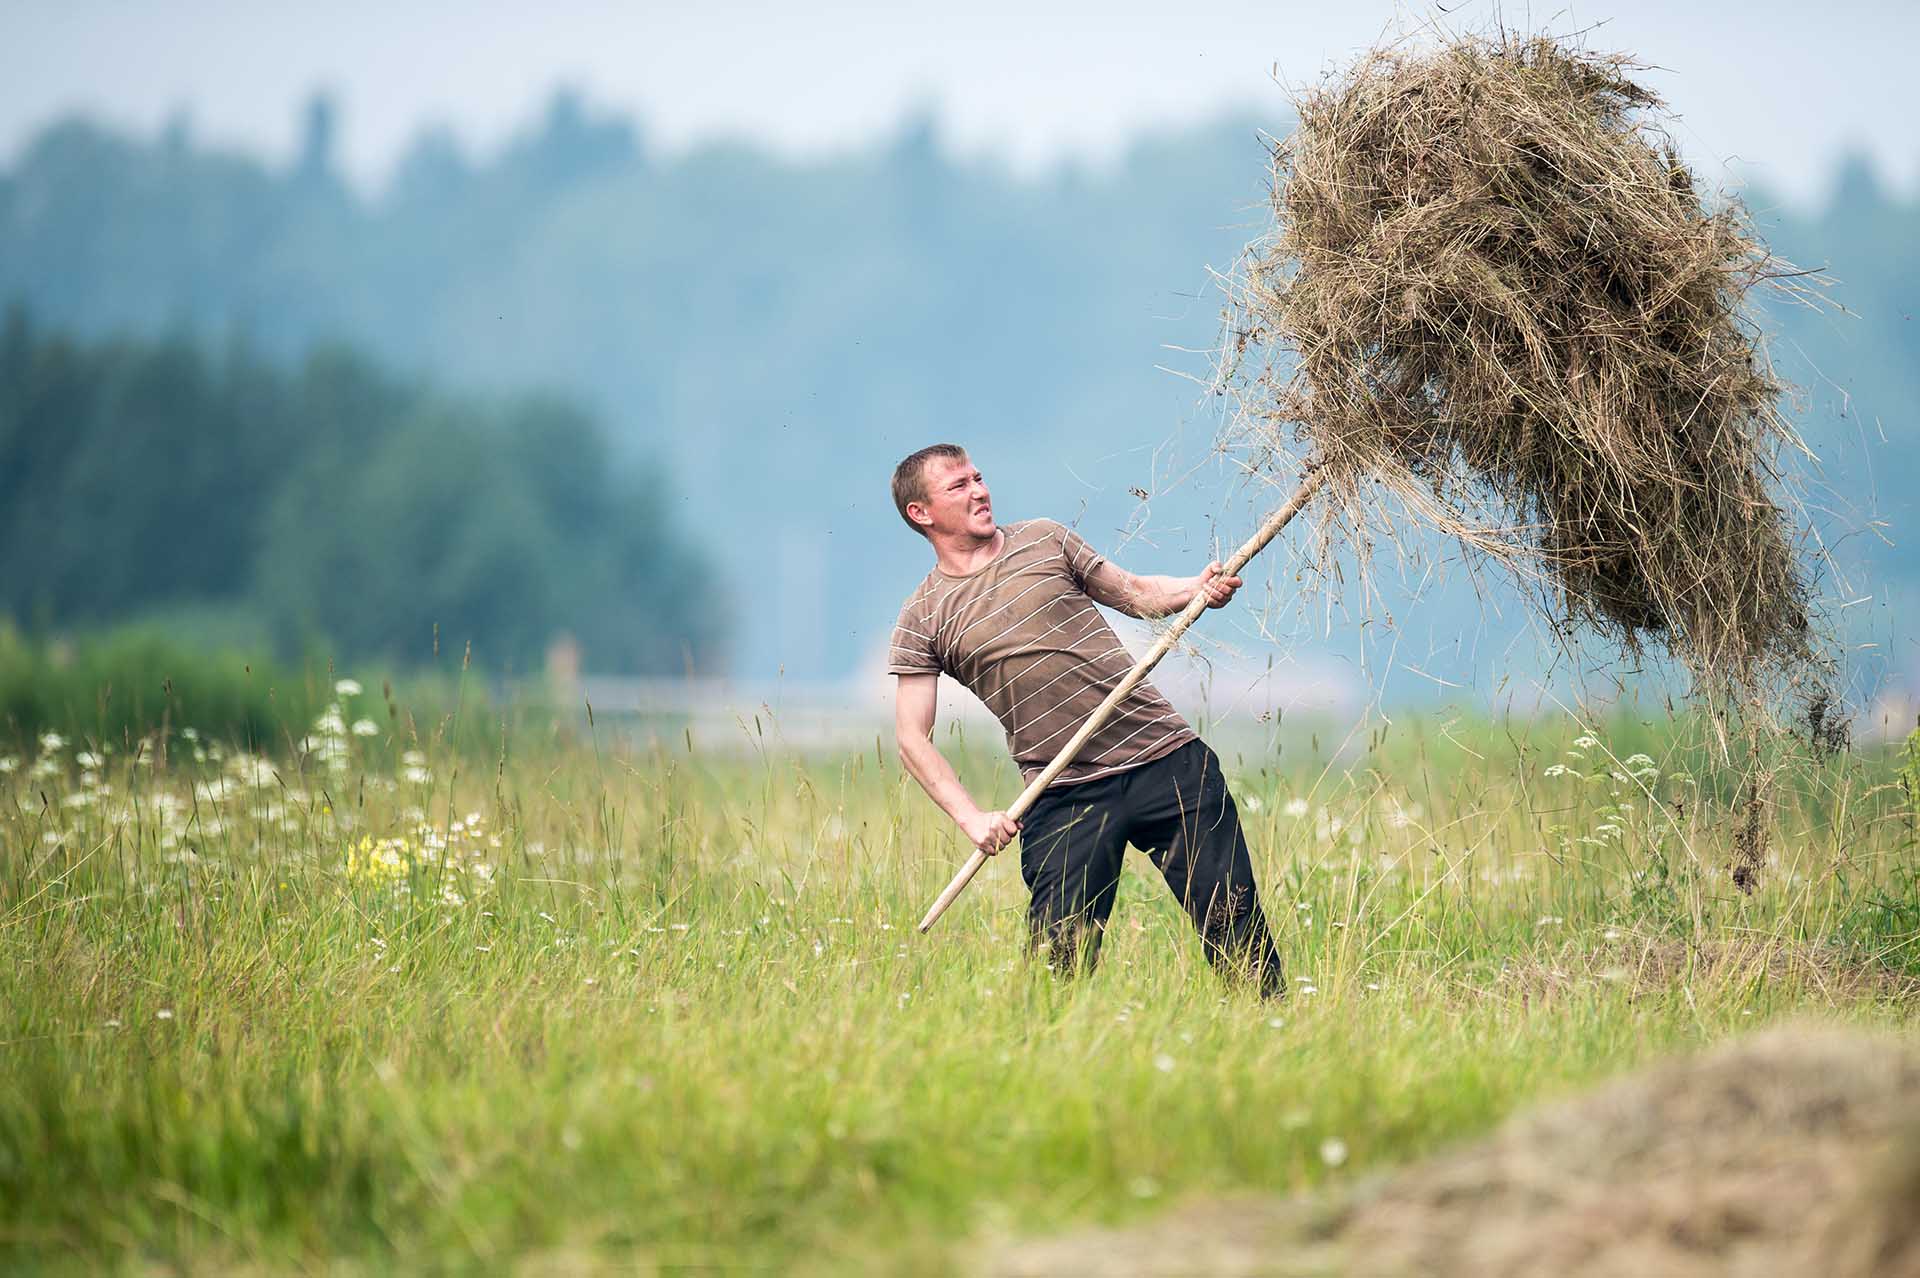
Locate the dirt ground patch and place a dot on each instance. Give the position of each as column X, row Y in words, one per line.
column 1793, row 1151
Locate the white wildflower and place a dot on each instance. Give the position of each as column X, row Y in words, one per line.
column 1295, row 807
column 7, row 764
column 1251, row 803
column 1558, row 770
column 164, row 1014
column 1586, row 742
column 347, row 687
column 1164, row 1063
column 89, row 759
column 51, row 741
column 1333, row 1151
column 365, row 728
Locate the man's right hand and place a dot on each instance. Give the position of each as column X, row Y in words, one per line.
column 990, row 831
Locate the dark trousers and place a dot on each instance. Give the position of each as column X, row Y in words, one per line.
column 1176, row 810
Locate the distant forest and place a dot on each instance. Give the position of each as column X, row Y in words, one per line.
column 777, row 334
column 333, row 510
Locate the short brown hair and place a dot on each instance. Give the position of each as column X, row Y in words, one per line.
column 910, row 480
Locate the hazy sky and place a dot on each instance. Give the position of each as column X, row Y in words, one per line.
column 1782, row 86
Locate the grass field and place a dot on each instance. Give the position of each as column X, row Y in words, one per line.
column 385, row 1006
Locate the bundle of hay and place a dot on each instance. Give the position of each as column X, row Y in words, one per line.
column 1788, row 1152
column 1494, row 300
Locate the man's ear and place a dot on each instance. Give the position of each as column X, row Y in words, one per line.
column 917, row 511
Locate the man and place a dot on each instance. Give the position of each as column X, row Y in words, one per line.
column 1009, row 612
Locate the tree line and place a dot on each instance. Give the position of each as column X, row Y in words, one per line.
column 780, row 333
column 334, row 507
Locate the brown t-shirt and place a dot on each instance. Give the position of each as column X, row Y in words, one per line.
column 1024, row 636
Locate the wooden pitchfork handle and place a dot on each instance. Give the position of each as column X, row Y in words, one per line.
column 1069, row 752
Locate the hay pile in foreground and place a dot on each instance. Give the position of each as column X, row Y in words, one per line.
column 1494, row 298
column 1790, row 1151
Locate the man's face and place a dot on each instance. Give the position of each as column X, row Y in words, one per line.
column 957, row 498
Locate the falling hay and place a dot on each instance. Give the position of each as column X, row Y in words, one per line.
column 1494, row 301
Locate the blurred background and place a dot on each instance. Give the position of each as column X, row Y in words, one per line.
column 582, row 342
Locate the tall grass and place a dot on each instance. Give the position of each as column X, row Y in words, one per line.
column 584, row 1002
column 161, row 684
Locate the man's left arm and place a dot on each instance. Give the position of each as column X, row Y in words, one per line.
column 1148, row 597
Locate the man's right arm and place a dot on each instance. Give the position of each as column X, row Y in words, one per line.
column 915, row 699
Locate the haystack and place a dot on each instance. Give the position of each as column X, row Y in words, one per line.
column 1494, row 300
column 1787, row 1152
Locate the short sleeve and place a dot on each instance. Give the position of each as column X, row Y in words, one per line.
column 911, row 649
column 1081, row 558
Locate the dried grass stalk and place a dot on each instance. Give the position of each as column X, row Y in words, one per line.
column 1494, row 300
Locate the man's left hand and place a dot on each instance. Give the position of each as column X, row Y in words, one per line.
column 1216, row 586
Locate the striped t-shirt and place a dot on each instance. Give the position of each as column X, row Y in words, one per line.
column 1024, row 636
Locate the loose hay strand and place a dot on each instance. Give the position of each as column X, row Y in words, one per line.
column 1494, row 301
